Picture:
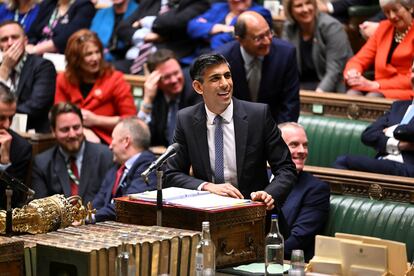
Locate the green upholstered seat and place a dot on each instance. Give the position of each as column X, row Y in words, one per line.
column 363, row 216
column 330, row 137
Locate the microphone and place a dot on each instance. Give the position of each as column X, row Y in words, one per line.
column 171, row 151
column 15, row 183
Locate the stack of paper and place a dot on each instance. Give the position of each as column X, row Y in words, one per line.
column 191, row 198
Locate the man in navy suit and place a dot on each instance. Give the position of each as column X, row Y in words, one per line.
column 167, row 89
column 31, row 78
column 306, row 209
column 278, row 76
column 228, row 142
column 392, row 135
column 73, row 166
column 15, row 151
column 130, row 142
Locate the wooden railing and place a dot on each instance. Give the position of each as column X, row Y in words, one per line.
column 376, row 186
column 342, row 105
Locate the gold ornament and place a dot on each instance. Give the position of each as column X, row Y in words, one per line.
column 45, row 214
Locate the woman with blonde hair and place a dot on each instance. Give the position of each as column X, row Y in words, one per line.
column 322, row 46
column 94, row 86
column 391, row 50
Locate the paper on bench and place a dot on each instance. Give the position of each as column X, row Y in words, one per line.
column 191, row 198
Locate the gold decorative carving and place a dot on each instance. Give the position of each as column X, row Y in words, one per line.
column 353, row 111
column 46, row 214
column 375, row 192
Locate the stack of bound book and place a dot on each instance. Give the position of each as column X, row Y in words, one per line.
column 92, row 250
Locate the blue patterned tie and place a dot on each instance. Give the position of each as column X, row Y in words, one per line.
column 172, row 119
column 218, row 143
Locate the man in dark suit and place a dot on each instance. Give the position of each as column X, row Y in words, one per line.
column 275, row 81
column 15, row 151
column 166, row 90
column 130, row 143
column 306, row 209
column 74, row 166
column 162, row 22
column 228, row 142
column 392, row 136
column 31, row 78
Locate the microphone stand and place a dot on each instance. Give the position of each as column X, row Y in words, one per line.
column 160, row 175
column 9, row 211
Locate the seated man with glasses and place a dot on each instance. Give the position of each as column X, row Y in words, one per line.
column 264, row 68
column 166, row 90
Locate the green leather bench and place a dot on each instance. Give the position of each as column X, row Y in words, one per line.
column 363, row 216
column 330, row 137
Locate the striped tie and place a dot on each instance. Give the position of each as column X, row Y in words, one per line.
column 144, row 51
column 73, row 175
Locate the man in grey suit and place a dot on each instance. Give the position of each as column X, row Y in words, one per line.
column 228, row 142
column 74, row 166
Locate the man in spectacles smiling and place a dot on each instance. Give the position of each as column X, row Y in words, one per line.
column 263, row 68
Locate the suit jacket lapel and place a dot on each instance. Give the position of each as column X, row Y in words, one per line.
column 200, row 133
column 240, row 135
column 26, row 71
column 88, row 164
column 239, row 73
column 62, row 172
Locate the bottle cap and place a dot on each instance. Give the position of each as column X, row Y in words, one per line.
column 274, row 216
column 205, row 223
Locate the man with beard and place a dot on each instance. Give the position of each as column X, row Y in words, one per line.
column 74, row 166
column 166, row 90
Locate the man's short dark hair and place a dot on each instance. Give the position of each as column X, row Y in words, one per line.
column 200, row 64
column 159, row 57
column 240, row 28
column 63, row 108
column 9, row 22
column 139, row 131
column 6, row 96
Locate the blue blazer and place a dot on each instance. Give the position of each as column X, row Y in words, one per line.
column 258, row 141
column 29, row 17
column 279, row 86
column 374, row 136
column 133, row 183
column 103, row 25
column 78, row 16
column 305, row 211
column 197, row 29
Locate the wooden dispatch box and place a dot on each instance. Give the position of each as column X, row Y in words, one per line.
column 11, row 257
column 237, row 232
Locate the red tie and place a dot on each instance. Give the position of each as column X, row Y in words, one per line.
column 73, row 186
column 119, row 174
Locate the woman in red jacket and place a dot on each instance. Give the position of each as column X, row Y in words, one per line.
column 94, row 86
column 391, row 49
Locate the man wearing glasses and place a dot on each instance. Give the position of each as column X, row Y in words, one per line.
column 166, row 90
column 264, row 68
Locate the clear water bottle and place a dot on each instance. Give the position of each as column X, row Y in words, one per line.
column 125, row 263
column 206, row 253
column 274, row 244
